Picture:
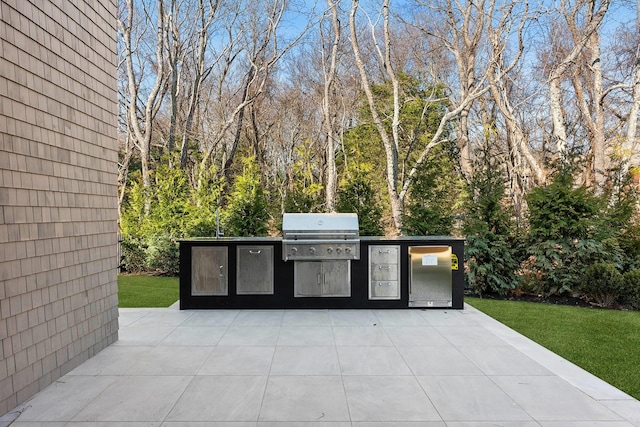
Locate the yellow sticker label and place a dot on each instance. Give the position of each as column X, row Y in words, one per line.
column 454, row 261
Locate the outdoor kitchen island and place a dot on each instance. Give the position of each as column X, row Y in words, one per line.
column 306, row 271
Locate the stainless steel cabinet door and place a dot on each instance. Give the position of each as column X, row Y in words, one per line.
column 254, row 270
column 209, row 270
column 322, row 278
column 308, row 278
column 430, row 276
column 336, row 278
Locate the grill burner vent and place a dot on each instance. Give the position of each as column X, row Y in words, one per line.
column 318, row 236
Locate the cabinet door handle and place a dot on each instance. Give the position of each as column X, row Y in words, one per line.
column 221, row 271
column 255, row 252
column 384, row 267
column 385, row 284
column 386, row 251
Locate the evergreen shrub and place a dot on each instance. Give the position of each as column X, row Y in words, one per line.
column 435, row 196
column 491, row 264
column 152, row 220
column 602, row 283
column 246, row 213
column 631, row 289
column 163, row 254
column 356, row 195
column 570, row 229
column 132, row 257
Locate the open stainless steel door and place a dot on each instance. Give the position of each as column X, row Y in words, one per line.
column 430, row 282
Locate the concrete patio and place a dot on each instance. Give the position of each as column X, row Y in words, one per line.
column 240, row 368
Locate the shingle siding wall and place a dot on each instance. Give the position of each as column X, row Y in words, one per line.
column 58, row 191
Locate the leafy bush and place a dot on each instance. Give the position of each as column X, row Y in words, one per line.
column 169, row 202
column 247, row 211
column 133, row 219
column 556, row 267
column 303, row 200
column 202, row 210
column 558, row 211
column 356, row 195
column 491, row 265
column 163, row 254
column 630, row 293
column 602, row 283
column 570, row 229
column 435, row 196
column 154, row 219
column 133, row 258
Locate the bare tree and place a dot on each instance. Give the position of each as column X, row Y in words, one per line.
column 207, row 12
column 521, row 155
column 390, row 143
column 127, row 148
column 329, row 72
column 458, row 103
column 630, row 143
column 141, row 114
column 592, row 16
column 251, row 51
column 460, row 26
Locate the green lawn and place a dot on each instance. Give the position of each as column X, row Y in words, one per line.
column 603, row 342
column 147, row 291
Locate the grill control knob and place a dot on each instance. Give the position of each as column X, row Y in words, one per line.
column 347, row 250
column 330, row 250
column 294, row 250
column 312, row 250
column 339, row 250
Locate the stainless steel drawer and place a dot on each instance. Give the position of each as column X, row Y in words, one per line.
column 386, row 254
column 384, row 290
column 384, row 272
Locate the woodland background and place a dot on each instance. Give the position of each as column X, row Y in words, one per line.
column 511, row 123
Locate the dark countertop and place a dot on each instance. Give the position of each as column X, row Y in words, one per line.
column 231, row 239
column 362, row 238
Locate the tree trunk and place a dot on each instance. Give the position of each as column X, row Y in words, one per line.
column 601, row 164
column 558, row 73
column 142, row 131
column 123, row 172
column 173, row 54
column 389, row 145
column 630, row 143
column 331, row 176
column 236, row 138
column 201, row 74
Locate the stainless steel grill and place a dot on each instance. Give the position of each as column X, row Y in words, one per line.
column 320, row 236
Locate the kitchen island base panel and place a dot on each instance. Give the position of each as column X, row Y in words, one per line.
column 380, row 279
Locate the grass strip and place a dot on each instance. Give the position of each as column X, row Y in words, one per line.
column 603, row 342
column 147, row 291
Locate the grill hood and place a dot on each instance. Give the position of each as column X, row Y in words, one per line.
column 320, row 236
column 320, row 226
